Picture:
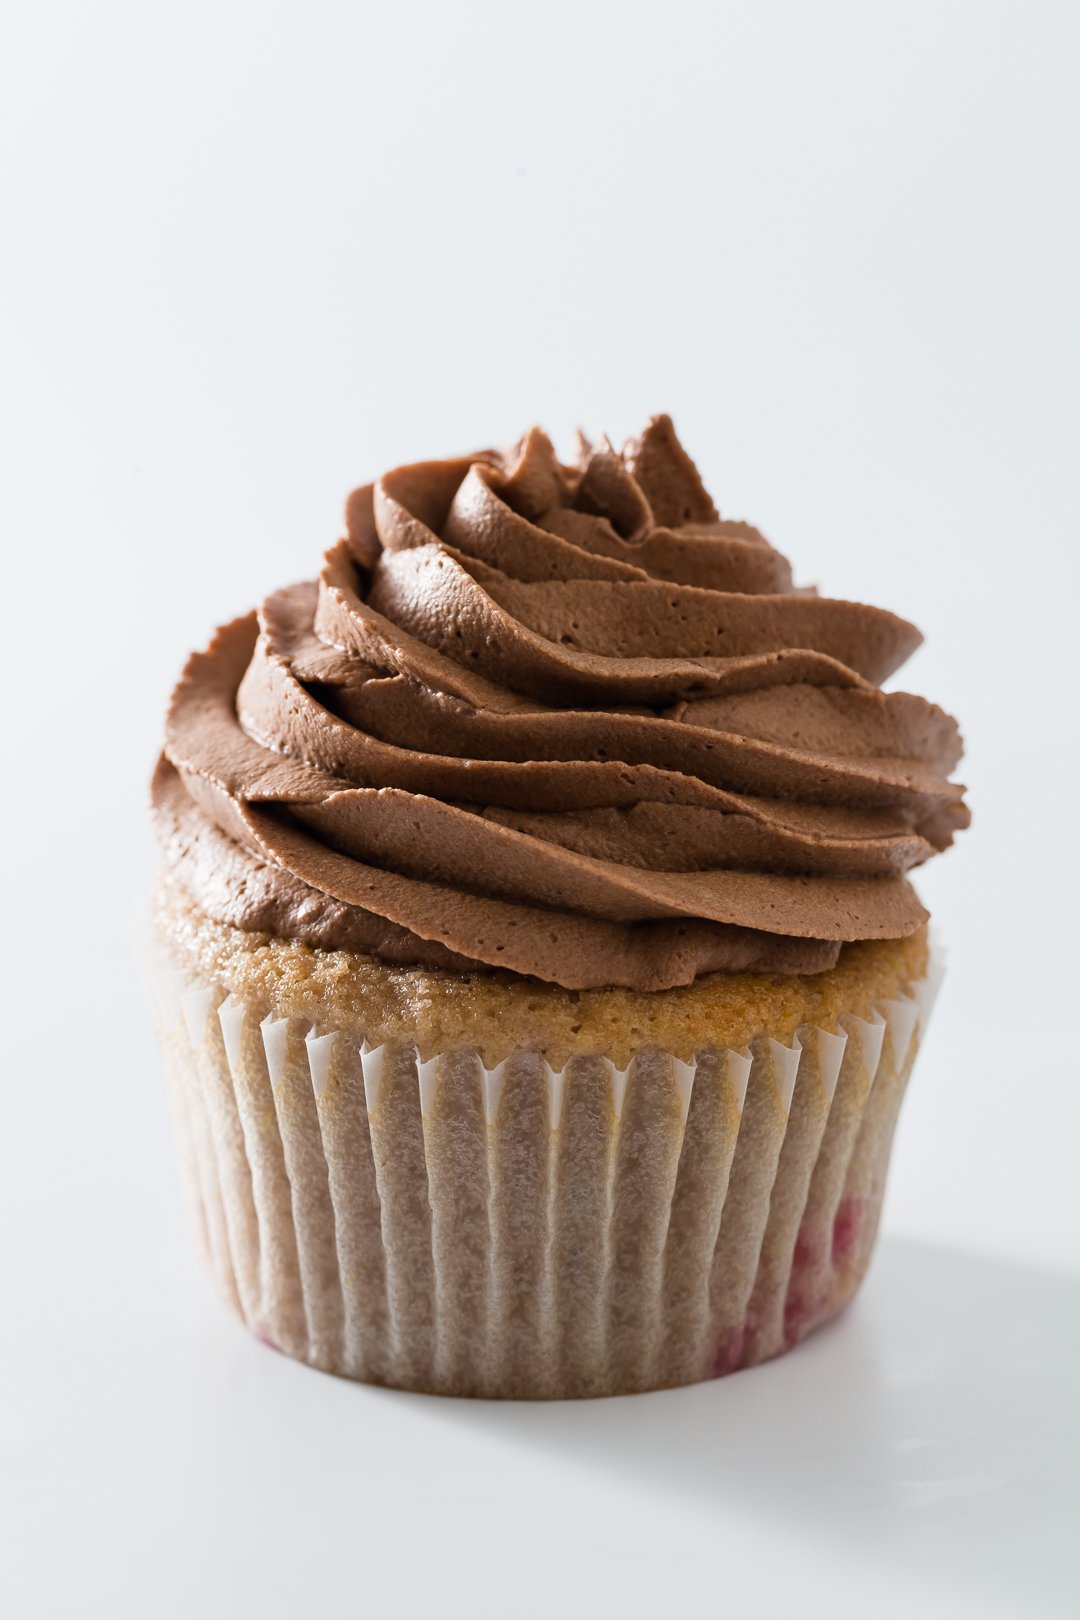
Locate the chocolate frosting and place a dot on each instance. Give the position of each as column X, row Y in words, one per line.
column 560, row 720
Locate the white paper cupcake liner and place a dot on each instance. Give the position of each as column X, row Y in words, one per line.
column 523, row 1231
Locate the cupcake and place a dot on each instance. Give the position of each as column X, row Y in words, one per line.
column 533, row 958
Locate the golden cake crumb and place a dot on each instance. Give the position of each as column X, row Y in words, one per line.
column 499, row 1013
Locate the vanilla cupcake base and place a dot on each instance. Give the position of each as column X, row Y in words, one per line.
column 538, row 1221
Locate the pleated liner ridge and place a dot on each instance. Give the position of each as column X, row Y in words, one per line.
column 526, row 1232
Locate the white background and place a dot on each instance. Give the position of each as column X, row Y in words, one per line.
column 257, row 253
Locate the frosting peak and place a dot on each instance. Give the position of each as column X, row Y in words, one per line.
column 563, row 720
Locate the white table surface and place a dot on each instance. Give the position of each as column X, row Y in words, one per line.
column 918, row 1456
column 258, row 253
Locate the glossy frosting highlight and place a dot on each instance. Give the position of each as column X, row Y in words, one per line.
column 559, row 720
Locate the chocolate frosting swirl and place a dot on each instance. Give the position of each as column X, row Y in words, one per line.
column 560, row 720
